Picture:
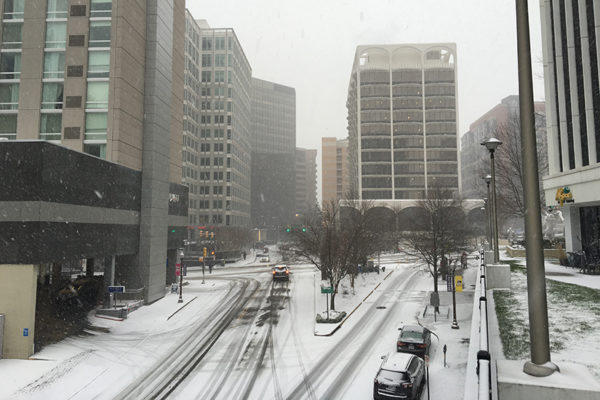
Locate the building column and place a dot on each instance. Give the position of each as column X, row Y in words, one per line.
column 18, row 293
column 552, row 128
column 572, row 76
column 587, row 83
column 572, row 228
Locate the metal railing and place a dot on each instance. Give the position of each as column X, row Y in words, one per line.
column 483, row 354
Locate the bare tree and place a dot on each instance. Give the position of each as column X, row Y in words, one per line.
column 439, row 228
column 509, row 164
column 334, row 242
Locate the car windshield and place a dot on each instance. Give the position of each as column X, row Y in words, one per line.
column 411, row 335
column 387, row 376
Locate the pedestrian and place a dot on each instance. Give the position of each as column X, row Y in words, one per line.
column 244, row 254
column 463, row 260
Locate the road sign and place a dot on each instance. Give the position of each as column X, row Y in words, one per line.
column 326, row 289
column 458, row 283
column 116, row 289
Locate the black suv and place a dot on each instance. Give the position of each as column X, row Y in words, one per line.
column 414, row 339
column 401, row 376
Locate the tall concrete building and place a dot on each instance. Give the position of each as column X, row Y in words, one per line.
column 216, row 151
column 402, row 121
column 502, row 122
column 571, row 48
column 306, row 181
column 103, row 78
column 334, row 169
column 273, row 139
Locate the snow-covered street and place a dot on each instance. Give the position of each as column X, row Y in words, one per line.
column 268, row 349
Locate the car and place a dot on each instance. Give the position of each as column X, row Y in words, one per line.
column 281, row 272
column 414, row 339
column 400, row 376
column 265, row 258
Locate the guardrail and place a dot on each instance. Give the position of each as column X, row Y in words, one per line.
column 484, row 371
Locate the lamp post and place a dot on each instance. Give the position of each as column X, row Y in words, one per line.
column 488, row 179
column 492, row 144
column 540, row 364
column 179, row 256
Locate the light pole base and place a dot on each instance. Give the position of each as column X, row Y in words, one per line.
column 454, row 325
column 180, row 300
column 540, row 370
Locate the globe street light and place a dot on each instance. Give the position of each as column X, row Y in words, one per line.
column 492, row 144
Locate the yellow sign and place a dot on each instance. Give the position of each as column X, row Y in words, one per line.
column 458, row 283
column 564, row 195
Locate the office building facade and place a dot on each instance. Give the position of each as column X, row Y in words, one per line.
column 91, row 102
column 273, row 139
column 571, row 49
column 216, row 152
column 334, row 169
column 306, row 182
column 402, row 121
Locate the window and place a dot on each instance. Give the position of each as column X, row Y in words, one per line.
column 10, row 65
column 206, row 43
column 98, row 64
column 13, row 9
column 12, row 35
column 8, row 126
column 56, row 34
column 206, row 77
column 99, row 34
column 57, row 9
column 97, row 95
column 52, row 95
column 206, row 60
column 50, row 126
column 95, row 126
column 9, row 96
column 101, row 8
column 95, row 149
column 219, row 60
column 219, row 76
column 54, row 64
column 220, row 43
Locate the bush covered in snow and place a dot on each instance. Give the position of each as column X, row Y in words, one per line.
column 334, row 317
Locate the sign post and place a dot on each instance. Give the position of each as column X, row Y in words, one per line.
column 327, row 290
column 114, row 290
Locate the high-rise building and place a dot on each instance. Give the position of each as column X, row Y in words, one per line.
column 402, row 122
column 273, row 139
column 502, row 122
column 334, row 169
column 216, row 152
column 571, row 49
column 306, row 181
column 104, row 78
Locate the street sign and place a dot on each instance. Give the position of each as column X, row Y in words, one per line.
column 326, row 289
column 449, row 283
column 116, row 289
column 458, row 283
column 177, row 269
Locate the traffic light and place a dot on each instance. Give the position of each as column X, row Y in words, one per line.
column 303, row 229
column 212, row 253
column 204, row 251
column 287, row 229
column 212, row 235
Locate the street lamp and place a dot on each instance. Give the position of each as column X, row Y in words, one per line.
column 488, row 179
column 492, row 144
column 179, row 257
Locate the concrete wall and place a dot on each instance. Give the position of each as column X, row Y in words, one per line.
column 18, row 285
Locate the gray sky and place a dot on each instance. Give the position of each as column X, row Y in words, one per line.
column 310, row 46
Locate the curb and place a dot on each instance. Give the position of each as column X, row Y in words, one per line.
column 352, row 312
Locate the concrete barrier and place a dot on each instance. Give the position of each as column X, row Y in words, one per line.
column 574, row 381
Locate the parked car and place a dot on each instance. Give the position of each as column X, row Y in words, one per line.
column 400, row 376
column 265, row 258
column 281, row 272
column 414, row 339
